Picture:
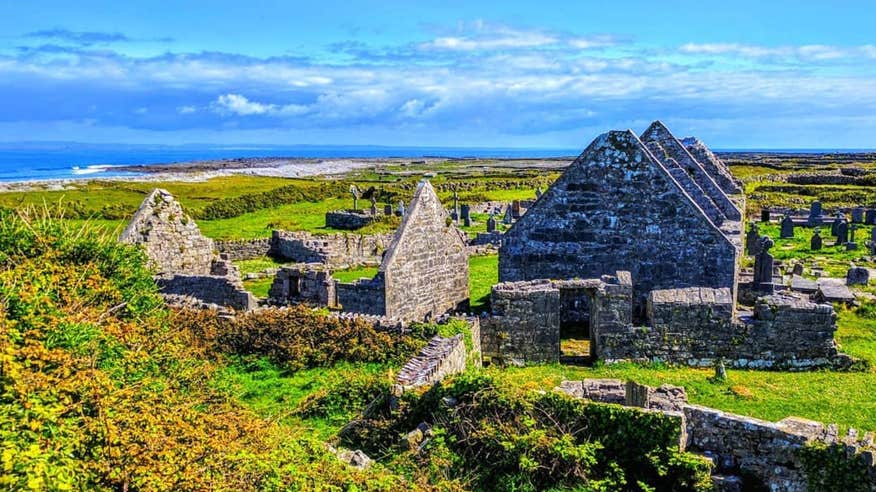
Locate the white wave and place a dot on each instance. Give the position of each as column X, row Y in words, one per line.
column 97, row 168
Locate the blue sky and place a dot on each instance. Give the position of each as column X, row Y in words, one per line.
column 486, row 74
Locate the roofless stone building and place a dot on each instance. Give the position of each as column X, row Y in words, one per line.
column 642, row 205
column 424, row 272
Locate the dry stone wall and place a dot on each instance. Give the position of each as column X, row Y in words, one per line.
column 618, row 208
column 206, row 290
column 442, row 357
column 525, row 322
column 244, row 249
column 363, row 296
column 335, row 250
column 309, row 283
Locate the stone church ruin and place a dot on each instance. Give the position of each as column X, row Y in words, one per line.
column 188, row 269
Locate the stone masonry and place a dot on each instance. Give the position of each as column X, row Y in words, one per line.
column 424, row 272
column 618, row 207
column 440, row 358
column 332, row 249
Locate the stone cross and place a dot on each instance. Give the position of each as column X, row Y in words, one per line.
column 816, row 242
column 355, row 192
column 491, row 223
column 842, row 233
column 787, row 228
column 751, row 239
column 401, row 208
column 763, row 266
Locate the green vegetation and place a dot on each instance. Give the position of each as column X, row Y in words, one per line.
column 356, row 273
column 483, row 273
column 835, row 260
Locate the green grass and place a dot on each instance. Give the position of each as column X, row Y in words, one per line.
column 483, row 273
column 275, row 393
column 352, row 274
column 835, row 260
column 259, row 287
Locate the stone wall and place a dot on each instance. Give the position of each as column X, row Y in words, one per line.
column 695, row 327
column 171, row 239
column 309, row 282
column 206, row 290
column 618, row 208
column 713, row 165
column 362, row 296
column 244, row 249
column 437, row 360
column 750, row 453
column 425, row 270
column 525, row 322
column 335, row 250
column 348, row 219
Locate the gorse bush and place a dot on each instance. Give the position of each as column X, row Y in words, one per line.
column 98, row 393
column 297, row 337
column 504, row 440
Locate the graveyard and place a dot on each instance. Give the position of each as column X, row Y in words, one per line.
column 646, row 261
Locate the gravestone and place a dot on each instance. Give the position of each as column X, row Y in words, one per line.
column 401, row 208
column 870, row 216
column 815, row 214
column 787, row 228
column 816, row 242
column 455, row 213
column 763, row 266
column 842, row 233
column 857, row 276
column 857, row 215
column 764, row 215
column 797, row 269
column 852, row 244
column 491, row 224
column 509, row 217
column 872, row 242
column 387, row 209
column 465, row 210
column 538, row 192
column 515, row 210
column 355, row 192
column 751, row 239
column 839, row 218
column 373, row 205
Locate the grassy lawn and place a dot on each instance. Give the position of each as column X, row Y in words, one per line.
column 275, row 393
column 355, row 273
column 483, row 273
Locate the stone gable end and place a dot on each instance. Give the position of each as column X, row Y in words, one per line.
column 425, row 270
column 618, row 208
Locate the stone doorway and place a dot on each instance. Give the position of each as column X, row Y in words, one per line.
column 576, row 335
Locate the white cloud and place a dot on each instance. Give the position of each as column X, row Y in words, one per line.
column 186, row 109
column 236, row 104
column 812, row 52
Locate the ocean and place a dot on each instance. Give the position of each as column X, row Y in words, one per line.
column 49, row 161
column 36, row 162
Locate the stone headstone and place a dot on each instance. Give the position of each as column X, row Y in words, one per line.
column 465, row 210
column 842, row 233
column 870, row 216
column 797, row 269
column 763, row 266
column 387, row 209
column 787, row 228
column 857, row 215
column 538, row 192
column 401, row 208
column 455, row 214
column 491, row 224
column 515, row 210
column 373, row 205
column 836, row 221
column 764, row 215
column 858, row 276
column 815, row 214
column 816, row 242
column 751, row 239
column 509, row 216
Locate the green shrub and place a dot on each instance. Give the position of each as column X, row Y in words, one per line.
column 832, row 469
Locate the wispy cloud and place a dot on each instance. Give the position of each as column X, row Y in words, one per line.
column 236, row 104
column 815, row 52
column 87, row 38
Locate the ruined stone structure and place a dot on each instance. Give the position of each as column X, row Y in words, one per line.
column 640, row 205
column 188, row 269
column 349, row 219
column 748, row 453
column 424, row 272
column 332, row 249
column 307, row 283
column 437, row 360
column 693, row 326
